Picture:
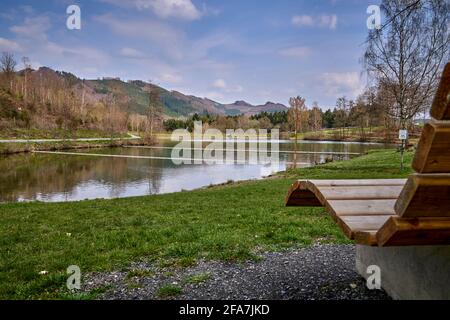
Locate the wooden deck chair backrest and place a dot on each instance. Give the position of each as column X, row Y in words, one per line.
column 427, row 193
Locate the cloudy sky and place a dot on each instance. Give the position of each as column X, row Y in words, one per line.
column 226, row 50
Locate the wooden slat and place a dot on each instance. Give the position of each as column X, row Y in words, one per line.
column 360, row 192
column 309, row 192
column 367, row 238
column 425, row 195
column 440, row 109
column 433, row 150
column 355, row 182
column 362, row 207
column 353, row 224
column 416, row 231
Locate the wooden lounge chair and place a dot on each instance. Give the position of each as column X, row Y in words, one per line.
column 392, row 213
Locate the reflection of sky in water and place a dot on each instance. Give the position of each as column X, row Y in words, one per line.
column 174, row 179
column 55, row 178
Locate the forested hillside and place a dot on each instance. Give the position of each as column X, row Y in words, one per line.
column 51, row 100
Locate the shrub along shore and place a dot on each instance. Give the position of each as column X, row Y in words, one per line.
column 24, row 147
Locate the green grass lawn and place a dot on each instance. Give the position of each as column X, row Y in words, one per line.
column 230, row 222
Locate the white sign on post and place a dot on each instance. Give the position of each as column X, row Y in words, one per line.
column 403, row 134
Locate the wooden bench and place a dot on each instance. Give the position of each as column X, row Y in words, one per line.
column 400, row 225
column 397, row 212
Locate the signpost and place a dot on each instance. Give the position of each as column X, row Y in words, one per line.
column 403, row 136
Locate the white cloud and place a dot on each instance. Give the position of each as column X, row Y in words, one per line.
column 78, row 54
column 183, row 9
column 322, row 21
column 177, row 8
column 214, row 95
column 235, row 89
column 210, row 11
column 32, row 37
column 171, row 58
column 224, row 87
column 144, row 29
column 131, row 53
column 35, row 28
column 171, row 78
column 326, row 21
column 220, row 83
column 27, row 9
column 296, row 52
column 341, row 83
column 303, row 20
column 149, row 30
column 8, row 45
column 90, row 70
column 213, row 41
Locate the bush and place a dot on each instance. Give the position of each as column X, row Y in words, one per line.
column 174, row 124
column 149, row 140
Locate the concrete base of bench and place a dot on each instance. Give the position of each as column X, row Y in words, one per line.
column 409, row 273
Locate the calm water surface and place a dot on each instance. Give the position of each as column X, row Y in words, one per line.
column 56, row 177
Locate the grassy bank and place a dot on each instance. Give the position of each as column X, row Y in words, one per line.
column 12, row 148
column 375, row 134
column 67, row 140
column 231, row 222
column 30, row 134
column 350, row 134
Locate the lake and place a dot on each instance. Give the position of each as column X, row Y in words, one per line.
column 136, row 171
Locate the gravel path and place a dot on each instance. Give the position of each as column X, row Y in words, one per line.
column 320, row 272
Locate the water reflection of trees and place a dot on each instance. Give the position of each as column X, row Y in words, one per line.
column 38, row 176
column 316, row 157
column 28, row 176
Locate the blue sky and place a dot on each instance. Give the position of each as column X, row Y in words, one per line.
column 253, row 50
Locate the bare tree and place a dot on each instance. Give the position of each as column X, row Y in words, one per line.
column 360, row 116
column 316, row 117
column 26, row 71
column 295, row 113
column 155, row 110
column 374, row 109
column 265, row 123
column 83, row 102
column 406, row 55
column 8, row 67
column 342, row 115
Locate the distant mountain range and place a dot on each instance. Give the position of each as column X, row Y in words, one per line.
column 134, row 94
